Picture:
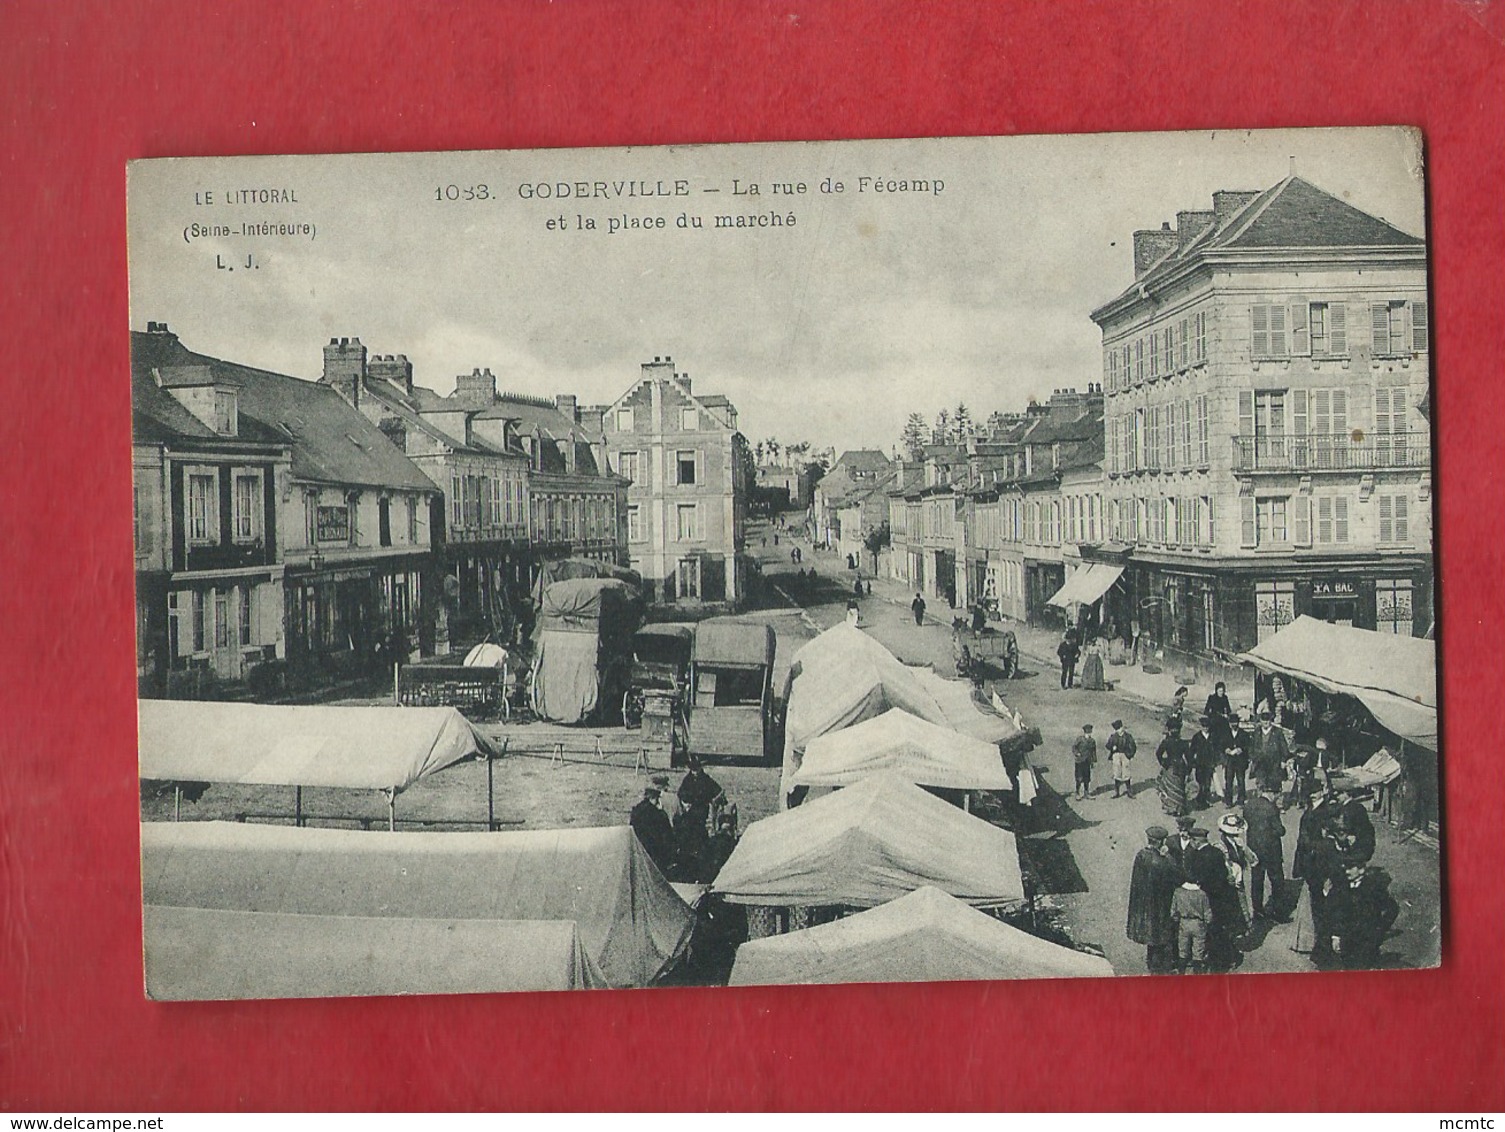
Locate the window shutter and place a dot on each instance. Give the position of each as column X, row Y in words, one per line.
column 1325, row 518
column 1384, row 410
column 1212, row 526
column 1340, row 412
column 1302, row 519
column 1259, row 324
column 1418, row 326
column 1246, row 412
column 1387, row 526
column 1154, row 354
column 1181, row 339
column 1301, row 341
column 1201, row 335
column 1278, row 346
column 1340, row 518
column 1322, row 412
column 1247, row 536
column 1202, row 429
column 1337, row 329
column 1298, row 412
column 1401, row 525
column 1379, row 319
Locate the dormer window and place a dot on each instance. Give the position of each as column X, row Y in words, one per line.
column 226, row 413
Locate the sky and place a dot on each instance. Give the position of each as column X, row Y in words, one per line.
column 870, row 306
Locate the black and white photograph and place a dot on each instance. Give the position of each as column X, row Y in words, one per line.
column 809, row 562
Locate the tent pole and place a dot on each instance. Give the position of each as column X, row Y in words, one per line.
column 967, row 802
column 298, row 806
column 490, row 796
column 177, row 800
column 396, row 687
column 391, row 811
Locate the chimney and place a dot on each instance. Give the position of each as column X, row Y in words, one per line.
column 659, row 369
column 393, row 368
column 159, row 328
column 1190, row 225
column 1226, row 202
column 478, row 386
column 684, row 379
column 345, row 368
column 565, row 403
column 1150, row 245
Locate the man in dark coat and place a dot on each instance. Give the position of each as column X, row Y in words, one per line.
column 917, row 607
column 1360, row 913
column 652, row 827
column 1068, row 651
column 1264, row 835
column 1235, row 763
column 698, row 794
column 1268, row 752
column 1352, row 831
column 1207, row 868
column 1180, row 844
column 1151, row 886
column 1206, row 753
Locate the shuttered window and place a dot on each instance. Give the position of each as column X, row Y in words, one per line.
column 1183, row 347
column 1269, row 334
column 1168, row 350
column 1301, row 520
column 1329, row 330
column 1201, row 350
column 1390, row 334
column 1332, row 519
column 1202, row 429
column 1394, row 526
column 1418, row 327
column 1248, row 532
column 1154, row 354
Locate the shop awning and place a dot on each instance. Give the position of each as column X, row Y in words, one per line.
column 1088, row 584
column 372, row 748
column 1394, row 677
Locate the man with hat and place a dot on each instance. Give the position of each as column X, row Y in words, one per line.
column 1236, row 760
column 1265, row 834
column 1083, row 755
column 1268, row 752
column 1121, row 749
column 1179, row 846
column 652, row 827
column 1205, row 754
column 1151, row 885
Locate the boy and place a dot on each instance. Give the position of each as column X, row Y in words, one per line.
column 1191, row 912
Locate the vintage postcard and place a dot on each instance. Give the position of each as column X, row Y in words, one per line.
column 986, row 558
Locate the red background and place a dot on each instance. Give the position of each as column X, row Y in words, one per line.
column 85, row 87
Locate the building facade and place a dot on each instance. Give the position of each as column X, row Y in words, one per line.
column 522, row 480
column 343, row 523
column 1266, row 456
column 691, row 472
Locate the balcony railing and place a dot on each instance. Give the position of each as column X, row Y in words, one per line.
column 1331, row 453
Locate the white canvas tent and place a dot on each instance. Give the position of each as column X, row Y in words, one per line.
column 843, row 677
column 926, row 936
column 374, row 748
column 631, row 923
column 868, row 844
column 1394, row 677
column 207, row 953
column 919, row 751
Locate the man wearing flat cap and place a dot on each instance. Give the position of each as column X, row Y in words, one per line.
column 1152, row 884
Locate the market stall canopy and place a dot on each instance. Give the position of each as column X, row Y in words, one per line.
column 1086, row 584
column 926, row 936
column 370, row 748
column 868, row 844
column 840, row 678
column 631, row 923
column 1394, row 677
column 739, row 644
column 919, row 751
column 196, row 954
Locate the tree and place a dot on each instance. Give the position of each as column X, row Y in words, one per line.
column 773, row 448
column 758, row 452
column 913, row 437
column 962, row 420
column 876, row 539
column 941, row 433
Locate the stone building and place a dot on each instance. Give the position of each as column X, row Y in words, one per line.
column 691, row 472
column 313, row 500
column 1266, row 456
column 523, row 479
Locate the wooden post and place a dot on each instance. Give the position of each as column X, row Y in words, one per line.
column 396, row 684
column 298, row 806
column 967, row 802
column 391, row 811
column 177, row 800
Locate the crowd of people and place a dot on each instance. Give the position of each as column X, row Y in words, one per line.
column 688, row 834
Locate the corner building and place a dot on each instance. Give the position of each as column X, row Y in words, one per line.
column 1267, row 454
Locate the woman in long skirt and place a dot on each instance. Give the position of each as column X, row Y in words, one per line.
column 1175, row 765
